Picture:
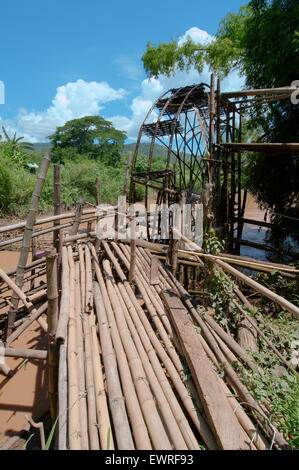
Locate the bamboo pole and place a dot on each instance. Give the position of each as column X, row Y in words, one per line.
column 57, row 204
column 285, row 304
column 62, row 439
column 91, row 401
column 74, row 431
column 77, row 221
column 61, row 331
column 27, row 241
column 88, row 282
column 80, row 362
column 28, row 321
column 25, row 353
column 115, row 396
column 53, row 357
column 104, row 425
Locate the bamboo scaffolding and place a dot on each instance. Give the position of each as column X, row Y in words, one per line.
column 115, row 396
column 27, row 242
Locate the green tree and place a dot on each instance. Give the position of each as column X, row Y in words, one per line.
column 14, row 149
column 262, row 42
column 90, row 136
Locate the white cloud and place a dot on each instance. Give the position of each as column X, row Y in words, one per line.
column 73, row 100
column 197, row 35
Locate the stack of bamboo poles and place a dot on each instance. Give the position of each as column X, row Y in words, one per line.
column 135, row 373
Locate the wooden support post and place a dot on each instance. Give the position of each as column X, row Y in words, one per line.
column 53, row 356
column 26, row 245
column 77, row 220
column 57, row 204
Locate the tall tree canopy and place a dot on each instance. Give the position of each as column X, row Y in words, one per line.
column 91, row 136
column 262, row 42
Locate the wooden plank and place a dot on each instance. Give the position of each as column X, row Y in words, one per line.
column 223, row 422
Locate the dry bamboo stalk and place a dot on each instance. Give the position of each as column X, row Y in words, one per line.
column 69, row 215
column 157, row 432
column 152, row 294
column 25, row 353
column 28, row 321
column 141, row 319
column 80, row 363
column 27, row 241
column 104, row 424
column 43, row 324
column 6, row 370
column 74, row 431
column 82, row 277
column 53, row 358
column 259, row 288
column 132, row 252
column 28, row 267
column 57, row 203
column 117, row 407
column 78, row 215
column 88, row 281
column 52, row 290
column 61, row 331
column 159, row 325
column 91, row 401
column 161, row 397
column 62, row 439
column 139, row 429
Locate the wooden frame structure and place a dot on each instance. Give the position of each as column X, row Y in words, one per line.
column 201, row 128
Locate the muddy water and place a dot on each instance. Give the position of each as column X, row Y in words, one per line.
column 253, row 233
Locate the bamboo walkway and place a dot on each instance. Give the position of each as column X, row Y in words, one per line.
column 140, row 363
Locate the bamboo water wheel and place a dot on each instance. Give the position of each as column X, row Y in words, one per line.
column 183, row 121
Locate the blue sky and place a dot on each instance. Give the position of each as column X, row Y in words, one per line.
column 65, row 59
